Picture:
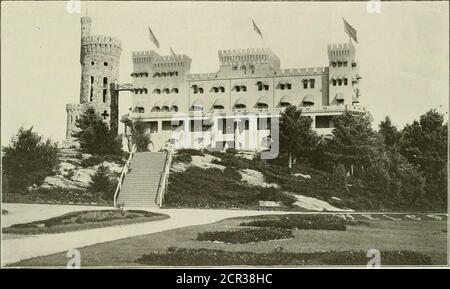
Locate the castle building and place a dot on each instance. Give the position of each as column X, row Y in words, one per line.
column 234, row 106
column 99, row 59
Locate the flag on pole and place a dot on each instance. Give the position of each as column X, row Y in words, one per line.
column 153, row 38
column 350, row 30
column 257, row 29
column 171, row 51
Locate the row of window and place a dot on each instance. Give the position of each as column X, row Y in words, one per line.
column 340, row 81
column 105, row 89
column 339, row 63
column 156, row 90
column 157, row 74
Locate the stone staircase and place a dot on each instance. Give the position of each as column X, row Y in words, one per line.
column 140, row 186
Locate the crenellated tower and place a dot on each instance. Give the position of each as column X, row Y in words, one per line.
column 343, row 74
column 99, row 59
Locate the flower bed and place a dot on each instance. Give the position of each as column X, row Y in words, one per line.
column 302, row 222
column 245, row 236
column 75, row 221
column 206, row 257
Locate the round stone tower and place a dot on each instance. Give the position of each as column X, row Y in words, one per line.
column 99, row 59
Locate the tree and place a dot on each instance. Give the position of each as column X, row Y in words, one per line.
column 94, row 135
column 388, row 132
column 138, row 135
column 297, row 139
column 102, row 183
column 28, row 159
column 353, row 141
column 424, row 144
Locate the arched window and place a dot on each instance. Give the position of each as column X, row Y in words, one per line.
column 311, row 83
column 140, row 109
column 163, row 74
column 339, row 82
column 157, row 90
column 288, row 85
column 105, row 88
column 222, row 89
column 200, row 89
column 237, row 88
column 262, row 106
column 156, row 74
column 244, row 88
column 175, row 90
column 345, row 81
column 156, row 109
column 334, row 82
column 174, row 108
column 166, row 90
column 165, row 109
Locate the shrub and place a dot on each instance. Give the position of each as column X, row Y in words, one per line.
column 231, row 151
column 245, row 236
column 302, row 222
column 102, row 183
column 192, row 152
column 207, row 257
column 94, row 135
column 27, row 160
column 213, row 188
column 182, row 158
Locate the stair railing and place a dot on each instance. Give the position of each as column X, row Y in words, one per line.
column 125, row 170
column 162, row 188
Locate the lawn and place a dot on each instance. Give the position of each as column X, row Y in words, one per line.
column 83, row 220
column 426, row 237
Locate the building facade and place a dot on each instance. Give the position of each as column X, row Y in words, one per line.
column 99, row 59
column 236, row 106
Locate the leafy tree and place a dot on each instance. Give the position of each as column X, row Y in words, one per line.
column 297, row 139
column 353, row 141
column 94, row 135
column 389, row 133
column 424, row 144
column 139, row 136
column 28, row 159
column 102, row 183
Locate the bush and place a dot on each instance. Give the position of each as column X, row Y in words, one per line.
column 27, row 160
column 302, row 222
column 214, row 188
column 182, row 158
column 207, row 257
column 102, row 183
column 191, row 152
column 245, row 236
column 94, row 135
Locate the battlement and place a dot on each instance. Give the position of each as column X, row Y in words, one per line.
column 249, row 55
column 100, row 44
column 341, row 50
column 86, row 20
column 301, row 71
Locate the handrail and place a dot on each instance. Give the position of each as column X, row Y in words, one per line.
column 163, row 179
column 125, row 169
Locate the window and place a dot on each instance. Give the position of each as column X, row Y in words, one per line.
column 260, row 85
column 165, row 109
column 166, row 90
column 282, row 86
column 305, row 83
column 174, row 108
column 175, row 90
column 234, row 67
column 157, row 91
column 333, row 64
column 288, row 85
column 240, row 106
column 345, row 63
column 91, row 93
column 216, row 89
column 195, row 88
column 166, row 125
column 262, row 106
column 92, row 63
column 176, row 73
column 266, row 87
column 200, row 89
column 237, row 88
column 140, row 110
column 345, row 81
column 105, row 88
column 105, row 63
column 334, row 82
column 339, row 82
column 244, row 88
column 339, row 64
column 222, row 89
column 156, row 109
column 311, row 83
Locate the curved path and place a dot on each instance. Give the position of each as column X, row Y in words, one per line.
column 16, row 248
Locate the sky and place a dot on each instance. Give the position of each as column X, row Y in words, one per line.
column 403, row 51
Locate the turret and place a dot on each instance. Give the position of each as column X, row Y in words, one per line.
column 343, row 74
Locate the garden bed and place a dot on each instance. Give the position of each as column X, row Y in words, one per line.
column 83, row 220
column 302, row 222
column 207, row 257
column 245, row 236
